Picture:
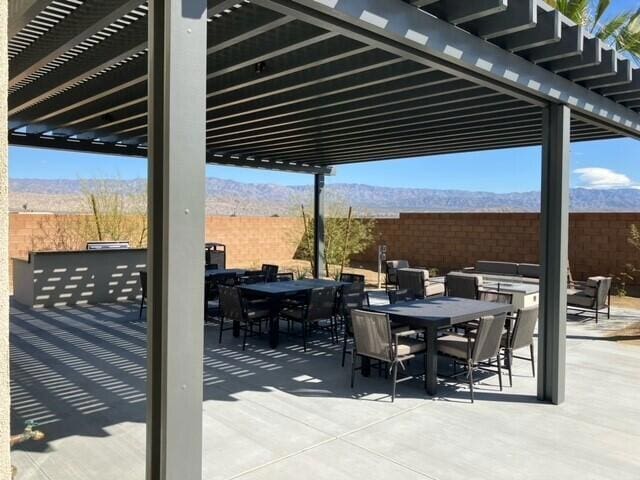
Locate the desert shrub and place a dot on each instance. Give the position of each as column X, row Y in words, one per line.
column 114, row 215
column 345, row 236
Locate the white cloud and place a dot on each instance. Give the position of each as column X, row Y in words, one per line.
column 596, row 177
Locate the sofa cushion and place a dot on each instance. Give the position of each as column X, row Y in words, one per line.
column 531, row 270
column 580, row 299
column 454, row 345
column 503, row 268
column 410, row 346
column 433, row 288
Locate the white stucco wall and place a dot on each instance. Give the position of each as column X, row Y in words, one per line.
column 5, row 463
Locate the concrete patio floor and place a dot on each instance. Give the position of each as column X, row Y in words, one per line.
column 285, row 414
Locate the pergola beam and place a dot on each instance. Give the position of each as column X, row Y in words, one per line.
column 88, row 19
column 443, row 45
column 461, row 11
column 21, row 12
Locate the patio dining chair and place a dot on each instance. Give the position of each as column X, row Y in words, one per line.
column 270, row 272
column 412, row 281
column 320, row 305
column 212, row 293
column 462, row 285
column 352, row 278
column 391, row 268
column 284, row 277
column 521, row 336
column 470, row 327
column 234, row 308
column 351, row 297
column 252, row 277
column 143, row 287
column 374, row 339
column 476, row 352
column 400, row 295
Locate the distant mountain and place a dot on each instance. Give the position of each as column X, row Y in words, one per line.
column 226, row 197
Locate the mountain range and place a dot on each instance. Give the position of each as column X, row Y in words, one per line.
column 227, row 197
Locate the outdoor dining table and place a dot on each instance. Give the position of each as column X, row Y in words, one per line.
column 209, row 274
column 434, row 314
column 276, row 291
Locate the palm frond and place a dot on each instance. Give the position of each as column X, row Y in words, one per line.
column 576, row 10
column 610, row 30
column 601, row 8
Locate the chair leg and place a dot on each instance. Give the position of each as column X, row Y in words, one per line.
column 394, row 370
column 353, row 366
column 244, row 338
column 304, row 336
column 221, row 325
column 509, row 352
column 470, row 376
column 596, row 314
column 344, row 348
column 141, row 307
column 500, row 371
column 533, row 362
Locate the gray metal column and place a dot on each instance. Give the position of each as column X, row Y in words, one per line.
column 318, row 218
column 554, row 238
column 5, row 397
column 177, row 84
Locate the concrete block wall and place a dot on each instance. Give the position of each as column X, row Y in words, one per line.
column 248, row 239
column 597, row 241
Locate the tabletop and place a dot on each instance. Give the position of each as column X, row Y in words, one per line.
column 224, row 271
column 440, row 311
column 283, row 288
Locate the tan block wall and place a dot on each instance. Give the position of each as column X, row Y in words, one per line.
column 256, row 240
column 597, row 241
column 248, row 239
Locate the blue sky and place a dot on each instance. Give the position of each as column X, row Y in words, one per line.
column 611, row 163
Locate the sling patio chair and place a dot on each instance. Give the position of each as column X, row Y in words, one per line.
column 478, row 351
column 374, row 339
column 234, row 308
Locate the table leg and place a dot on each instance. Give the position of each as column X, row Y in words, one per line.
column 274, row 331
column 236, row 328
column 365, row 366
column 432, row 361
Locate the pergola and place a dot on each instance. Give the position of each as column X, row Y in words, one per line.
column 304, row 86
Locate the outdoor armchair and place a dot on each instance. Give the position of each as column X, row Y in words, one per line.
column 284, row 277
column 476, row 352
column 391, row 267
column 412, row 280
column 462, row 285
column 374, row 339
column 592, row 295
